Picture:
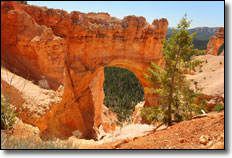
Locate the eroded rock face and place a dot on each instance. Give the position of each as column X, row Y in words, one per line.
column 215, row 42
column 72, row 49
column 29, row 49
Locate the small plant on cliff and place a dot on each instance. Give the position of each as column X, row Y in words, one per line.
column 32, row 142
column 8, row 117
column 9, row 101
column 218, row 107
column 177, row 99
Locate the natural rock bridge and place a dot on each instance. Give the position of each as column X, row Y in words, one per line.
column 72, row 49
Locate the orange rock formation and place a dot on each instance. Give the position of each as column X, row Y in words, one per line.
column 72, row 49
column 215, row 42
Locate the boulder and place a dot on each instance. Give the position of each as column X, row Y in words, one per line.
column 137, row 118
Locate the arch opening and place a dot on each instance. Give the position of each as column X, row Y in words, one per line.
column 122, row 91
column 126, row 107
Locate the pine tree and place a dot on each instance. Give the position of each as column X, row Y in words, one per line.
column 22, row 2
column 177, row 99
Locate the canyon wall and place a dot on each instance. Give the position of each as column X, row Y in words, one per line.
column 72, row 50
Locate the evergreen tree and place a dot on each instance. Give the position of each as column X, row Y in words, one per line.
column 22, row 2
column 177, row 99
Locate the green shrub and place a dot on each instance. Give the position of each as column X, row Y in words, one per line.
column 32, row 143
column 218, row 107
column 153, row 114
column 8, row 116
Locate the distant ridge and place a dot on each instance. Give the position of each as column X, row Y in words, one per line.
column 203, row 33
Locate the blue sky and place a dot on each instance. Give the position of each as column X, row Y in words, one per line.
column 202, row 13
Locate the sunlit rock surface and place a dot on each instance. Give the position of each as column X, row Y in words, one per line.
column 72, row 50
column 215, row 42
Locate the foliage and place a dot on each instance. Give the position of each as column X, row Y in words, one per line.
column 33, row 143
column 22, row 2
column 122, row 91
column 8, row 116
column 177, row 99
column 200, row 44
column 153, row 114
column 218, row 107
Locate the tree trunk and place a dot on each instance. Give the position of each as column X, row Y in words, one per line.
column 171, row 90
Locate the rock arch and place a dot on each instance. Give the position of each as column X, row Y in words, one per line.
column 72, row 49
column 215, row 42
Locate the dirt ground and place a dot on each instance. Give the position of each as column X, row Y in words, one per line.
column 200, row 133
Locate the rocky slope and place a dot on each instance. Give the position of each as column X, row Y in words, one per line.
column 34, row 103
column 201, row 133
column 210, row 79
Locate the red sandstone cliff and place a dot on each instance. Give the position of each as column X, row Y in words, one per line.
column 215, row 42
column 72, row 49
